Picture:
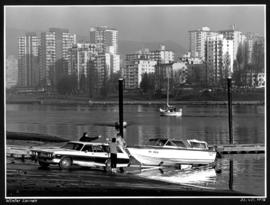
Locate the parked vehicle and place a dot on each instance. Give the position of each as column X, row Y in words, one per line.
column 85, row 154
column 168, row 152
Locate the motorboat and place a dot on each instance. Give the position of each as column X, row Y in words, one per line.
column 170, row 110
column 169, row 152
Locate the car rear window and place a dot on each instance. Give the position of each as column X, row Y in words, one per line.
column 87, row 148
column 98, row 148
column 106, row 148
column 73, row 146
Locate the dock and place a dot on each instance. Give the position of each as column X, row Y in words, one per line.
column 239, row 148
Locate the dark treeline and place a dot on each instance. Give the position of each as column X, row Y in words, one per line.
column 247, row 65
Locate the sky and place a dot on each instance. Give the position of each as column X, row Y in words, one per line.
column 138, row 23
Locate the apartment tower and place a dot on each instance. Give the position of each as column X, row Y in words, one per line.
column 54, row 54
column 197, row 40
column 219, row 58
column 28, row 67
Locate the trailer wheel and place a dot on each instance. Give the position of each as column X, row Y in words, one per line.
column 65, row 163
column 121, row 170
column 107, row 167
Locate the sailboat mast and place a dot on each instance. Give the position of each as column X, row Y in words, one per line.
column 168, row 84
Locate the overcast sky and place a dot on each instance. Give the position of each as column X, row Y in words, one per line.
column 145, row 23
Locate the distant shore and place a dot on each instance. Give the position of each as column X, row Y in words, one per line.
column 126, row 102
column 84, row 100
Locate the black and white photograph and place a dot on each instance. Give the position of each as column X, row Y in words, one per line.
column 135, row 101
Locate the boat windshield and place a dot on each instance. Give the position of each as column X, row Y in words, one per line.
column 200, row 145
column 179, row 143
column 157, row 142
column 73, row 146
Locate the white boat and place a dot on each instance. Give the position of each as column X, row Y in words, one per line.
column 170, row 110
column 168, row 152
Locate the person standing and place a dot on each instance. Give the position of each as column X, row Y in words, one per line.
column 120, row 141
column 113, row 152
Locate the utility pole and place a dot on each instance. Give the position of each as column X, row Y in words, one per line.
column 206, row 79
column 229, row 81
column 121, row 106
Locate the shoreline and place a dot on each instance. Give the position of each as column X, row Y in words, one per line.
column 129, row 102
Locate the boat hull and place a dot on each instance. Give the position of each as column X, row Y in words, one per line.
column 169, row 157
column 167, row 113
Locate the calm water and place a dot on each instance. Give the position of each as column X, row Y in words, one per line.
column 208, row 123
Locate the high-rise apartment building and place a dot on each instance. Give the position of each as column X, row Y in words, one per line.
column 136, row 65
column 100, row 71
column 28, row 62
column 177, row 72
column 254, row 41
column 107, row 61
column 80, row 55
column 219, row 58
column 236, row 36
column 162, row 55
column 112, row 63
column 47, row 56
column 11, row 71
column 111, row 40
column 197, row 40
column 54, row 54
column 97, row 37
column 104, row 37
column 106, row 40
column 210, row 47
column 144, row 61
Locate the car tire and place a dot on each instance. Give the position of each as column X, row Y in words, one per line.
column 65, row 163
column 107, row 167
column 43, row 164
column 121, row 169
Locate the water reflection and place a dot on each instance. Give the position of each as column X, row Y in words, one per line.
column 145, row 122
column 140, row 135
column 196, row 177
column 140, row 108
column 245, row 172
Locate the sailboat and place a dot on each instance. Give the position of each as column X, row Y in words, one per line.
column 170, row 110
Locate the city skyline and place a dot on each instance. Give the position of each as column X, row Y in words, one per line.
column 135, row 23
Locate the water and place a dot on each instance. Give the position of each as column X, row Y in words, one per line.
column 209, row 123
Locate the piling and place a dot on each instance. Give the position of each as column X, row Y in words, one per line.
column 121, row 106
column 229, row 80
column 231, row 175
